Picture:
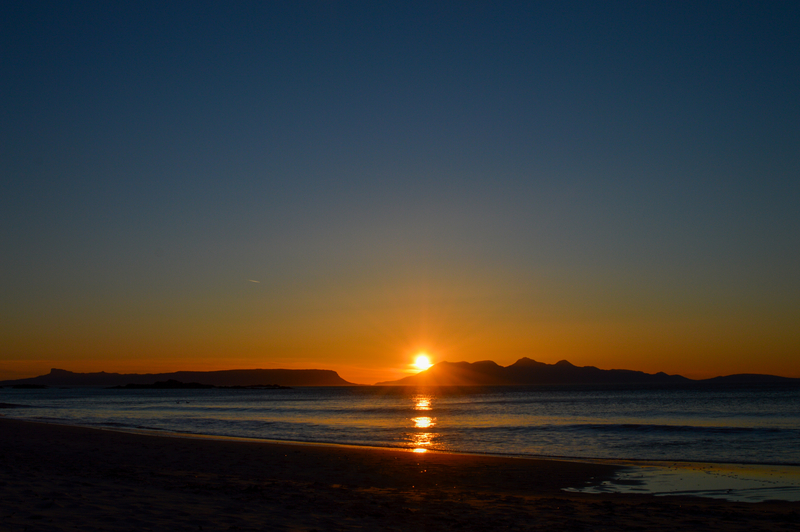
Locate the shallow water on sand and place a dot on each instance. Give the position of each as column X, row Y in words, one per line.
column 733, row 482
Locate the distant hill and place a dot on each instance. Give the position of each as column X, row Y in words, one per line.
column 526, row 371
column 751, row 378
column 232, row 377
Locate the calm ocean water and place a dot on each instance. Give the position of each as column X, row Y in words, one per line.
column 758, row 424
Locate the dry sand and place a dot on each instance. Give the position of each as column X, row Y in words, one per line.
column 55, row 477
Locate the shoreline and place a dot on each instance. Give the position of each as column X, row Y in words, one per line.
column 653, row 477
column 739, row 482
column 55, row 477
column 633, row 462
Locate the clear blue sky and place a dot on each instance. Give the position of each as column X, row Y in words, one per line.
column 615, row 183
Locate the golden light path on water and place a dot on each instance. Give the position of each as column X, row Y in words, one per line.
column 423, row 422
column 423, row 440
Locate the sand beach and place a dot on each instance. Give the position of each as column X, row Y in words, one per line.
column 56, row 477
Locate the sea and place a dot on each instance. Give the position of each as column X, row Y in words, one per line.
column 753, row 424
column 750, row 424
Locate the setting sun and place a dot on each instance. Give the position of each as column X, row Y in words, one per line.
column 422, row 361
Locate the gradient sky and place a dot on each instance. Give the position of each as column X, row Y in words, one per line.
column 612, row 183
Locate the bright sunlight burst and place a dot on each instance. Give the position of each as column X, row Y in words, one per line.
column 422, row 361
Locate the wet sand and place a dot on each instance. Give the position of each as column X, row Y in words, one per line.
column 732, row 482
column 55, row 477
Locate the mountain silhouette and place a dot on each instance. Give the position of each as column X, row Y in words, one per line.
column 526, row 371
column 232, row 377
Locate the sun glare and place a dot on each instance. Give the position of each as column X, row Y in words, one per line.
column 422, row 361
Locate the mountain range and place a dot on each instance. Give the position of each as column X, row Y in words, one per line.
column 524, row 371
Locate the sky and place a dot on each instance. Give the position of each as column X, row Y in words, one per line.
column 341, row 185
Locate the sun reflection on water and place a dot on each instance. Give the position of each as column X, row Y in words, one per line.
column 423, row 422
column 422, row 402
column 422, row 441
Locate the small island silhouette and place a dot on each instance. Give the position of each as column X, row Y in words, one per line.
column 233, row 378
column 172, row 384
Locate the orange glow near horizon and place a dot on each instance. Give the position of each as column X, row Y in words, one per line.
column 384, row 347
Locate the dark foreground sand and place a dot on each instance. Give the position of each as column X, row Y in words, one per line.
column 68, row 478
